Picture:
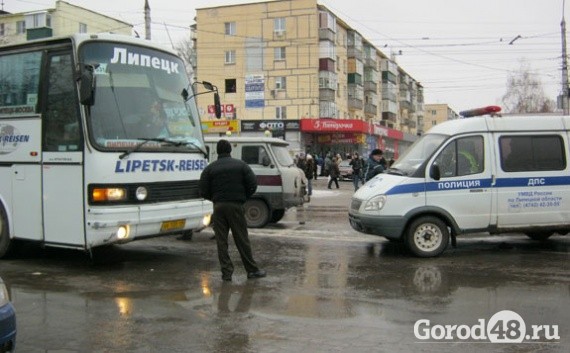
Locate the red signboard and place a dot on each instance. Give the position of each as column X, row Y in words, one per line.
column 333, row 125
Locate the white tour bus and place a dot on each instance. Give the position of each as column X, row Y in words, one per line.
column 482, row 174
column 100, row 143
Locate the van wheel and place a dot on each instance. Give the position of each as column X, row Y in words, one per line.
column 427, row 237
column 277, row 215
column 256, row 213
column 5, row 241
column 539, row 236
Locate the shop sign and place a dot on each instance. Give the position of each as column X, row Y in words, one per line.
column 219, row 126
column 273, row 125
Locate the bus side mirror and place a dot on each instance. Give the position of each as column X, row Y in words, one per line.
column 434, row 172
column 87, row 86
column 217, row 106
column 185, row 94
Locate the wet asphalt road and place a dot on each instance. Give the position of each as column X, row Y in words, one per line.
column 329, row 289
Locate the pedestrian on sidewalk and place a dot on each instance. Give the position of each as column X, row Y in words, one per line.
column 228, row 183
column 356, row 163
column 375, row 165
column 334, row 173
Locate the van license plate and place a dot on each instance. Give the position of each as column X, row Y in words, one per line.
column 168, row 226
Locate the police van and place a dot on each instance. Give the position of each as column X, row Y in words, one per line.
column 280, row 184
column 482, row 174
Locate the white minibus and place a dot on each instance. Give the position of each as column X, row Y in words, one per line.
column 490, row 174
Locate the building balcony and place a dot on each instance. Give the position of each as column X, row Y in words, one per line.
column 389, row 117
column 38, row 33
column 370, row 62
column 327, row 109
column 326, row 34
column 355, row 103
column 326, row 94
column 389, row 107
column 371, row 109
column 370, row 86
column 354, row 53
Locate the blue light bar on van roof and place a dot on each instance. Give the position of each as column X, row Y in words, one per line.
column 492, row 109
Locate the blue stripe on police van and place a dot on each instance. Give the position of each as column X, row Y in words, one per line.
column 477, row 184
column 533, row 181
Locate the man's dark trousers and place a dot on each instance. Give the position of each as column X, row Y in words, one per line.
column 230, row 215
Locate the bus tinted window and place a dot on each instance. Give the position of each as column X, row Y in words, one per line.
column 19, row 82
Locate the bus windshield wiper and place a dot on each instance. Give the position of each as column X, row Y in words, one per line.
column 161, row 140
column 196, row 146
column 145, row 141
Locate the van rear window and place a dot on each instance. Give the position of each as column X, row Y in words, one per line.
column 532, row 153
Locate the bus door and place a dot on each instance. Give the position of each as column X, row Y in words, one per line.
column 62, row 156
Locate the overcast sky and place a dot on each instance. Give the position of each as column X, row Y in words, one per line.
column 458, row 49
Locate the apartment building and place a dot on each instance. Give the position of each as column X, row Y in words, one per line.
column 297, row 70
column 61, row 20
column 438, row 113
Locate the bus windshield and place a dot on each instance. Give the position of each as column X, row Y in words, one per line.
column 417, row 154
column 138, row 97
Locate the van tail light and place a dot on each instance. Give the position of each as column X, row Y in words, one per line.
column 269, row 180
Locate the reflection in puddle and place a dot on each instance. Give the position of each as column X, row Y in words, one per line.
column 427, row 279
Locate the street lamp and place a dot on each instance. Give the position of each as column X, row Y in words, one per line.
column 267, row 133
column 228, row 132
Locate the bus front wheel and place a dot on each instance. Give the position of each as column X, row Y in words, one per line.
column 427, row 237
column 5, row 240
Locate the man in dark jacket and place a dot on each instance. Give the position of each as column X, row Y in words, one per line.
column 228, row 183
column 375, row 165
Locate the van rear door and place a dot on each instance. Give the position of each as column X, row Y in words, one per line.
column 532, row 179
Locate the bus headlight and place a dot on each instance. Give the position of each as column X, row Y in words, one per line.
column 206, row 220
column 376, row 203
column 123, row 232
column 141, row 193
column 109, row 194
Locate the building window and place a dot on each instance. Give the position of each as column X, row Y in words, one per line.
column 230, row 28
column 38, row 20
column 231, row 85
column 279, row 53
column 20, row 27
column 82, row 28
column 279, row 25
column 281, row 82
column 280, row 112
column 2, row 33
column 230, row 57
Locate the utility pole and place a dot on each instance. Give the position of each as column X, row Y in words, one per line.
column 147, row 20
column 565, row 91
